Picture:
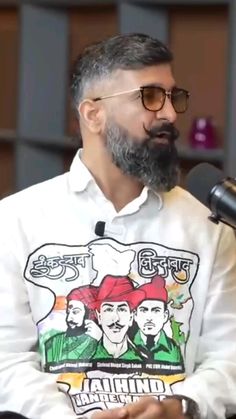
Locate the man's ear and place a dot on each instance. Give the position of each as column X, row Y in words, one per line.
column 92, row 115
column 166, row 315
column 98, row 317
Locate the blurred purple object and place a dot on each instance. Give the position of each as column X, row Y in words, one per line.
column 202, row 133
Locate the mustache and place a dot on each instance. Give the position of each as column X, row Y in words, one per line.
column 72, row 323
column 115, row 324
column 149, row 324
column 75, row 331
column 166, row 129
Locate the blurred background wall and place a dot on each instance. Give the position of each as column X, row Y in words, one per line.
column 39, row 40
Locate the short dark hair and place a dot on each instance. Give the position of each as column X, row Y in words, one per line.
column 125, row 52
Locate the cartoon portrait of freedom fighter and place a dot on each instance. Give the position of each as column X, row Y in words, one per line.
column 117, row 300
column 80, row 339
column 151, row 315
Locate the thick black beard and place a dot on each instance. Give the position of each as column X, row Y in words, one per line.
column 76, row 331
column 154, row 165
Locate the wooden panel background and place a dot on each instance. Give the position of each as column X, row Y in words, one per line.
column 199, row 39
column 9, row 29
column 7, row 169
column 9, row 32
column 87, row 25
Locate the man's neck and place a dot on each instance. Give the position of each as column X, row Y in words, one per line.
column 117, row 187
column 144, row 337
column 115, row 349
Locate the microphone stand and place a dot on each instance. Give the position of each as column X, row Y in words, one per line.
column 216, row 219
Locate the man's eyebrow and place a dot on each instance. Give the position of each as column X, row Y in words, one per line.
column 159, row 85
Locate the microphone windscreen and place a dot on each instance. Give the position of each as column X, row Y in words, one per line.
column 201, row 179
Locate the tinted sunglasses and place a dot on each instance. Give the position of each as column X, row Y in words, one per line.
column 153, row 97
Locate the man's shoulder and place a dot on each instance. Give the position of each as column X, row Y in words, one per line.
column 35, row 195
column 181, row 203
column 55, row 338
column 171, row 343
column 179, row 195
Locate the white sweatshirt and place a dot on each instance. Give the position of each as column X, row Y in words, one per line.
column 90, row 323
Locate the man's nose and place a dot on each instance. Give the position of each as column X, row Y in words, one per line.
column 167, row 112
column 70, row 317
column 115, row 315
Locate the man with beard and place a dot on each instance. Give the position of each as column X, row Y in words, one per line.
column 127, row 100
column 79, row 342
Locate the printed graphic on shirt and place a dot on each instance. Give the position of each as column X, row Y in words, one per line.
column 113, row 319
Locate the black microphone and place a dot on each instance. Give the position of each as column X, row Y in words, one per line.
column 218, row 192
column 100, row 228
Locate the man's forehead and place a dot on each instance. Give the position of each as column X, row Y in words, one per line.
column 160, row 74
column 75, row 303
column 114, row 303
column 121, row 80
column 151, row 303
